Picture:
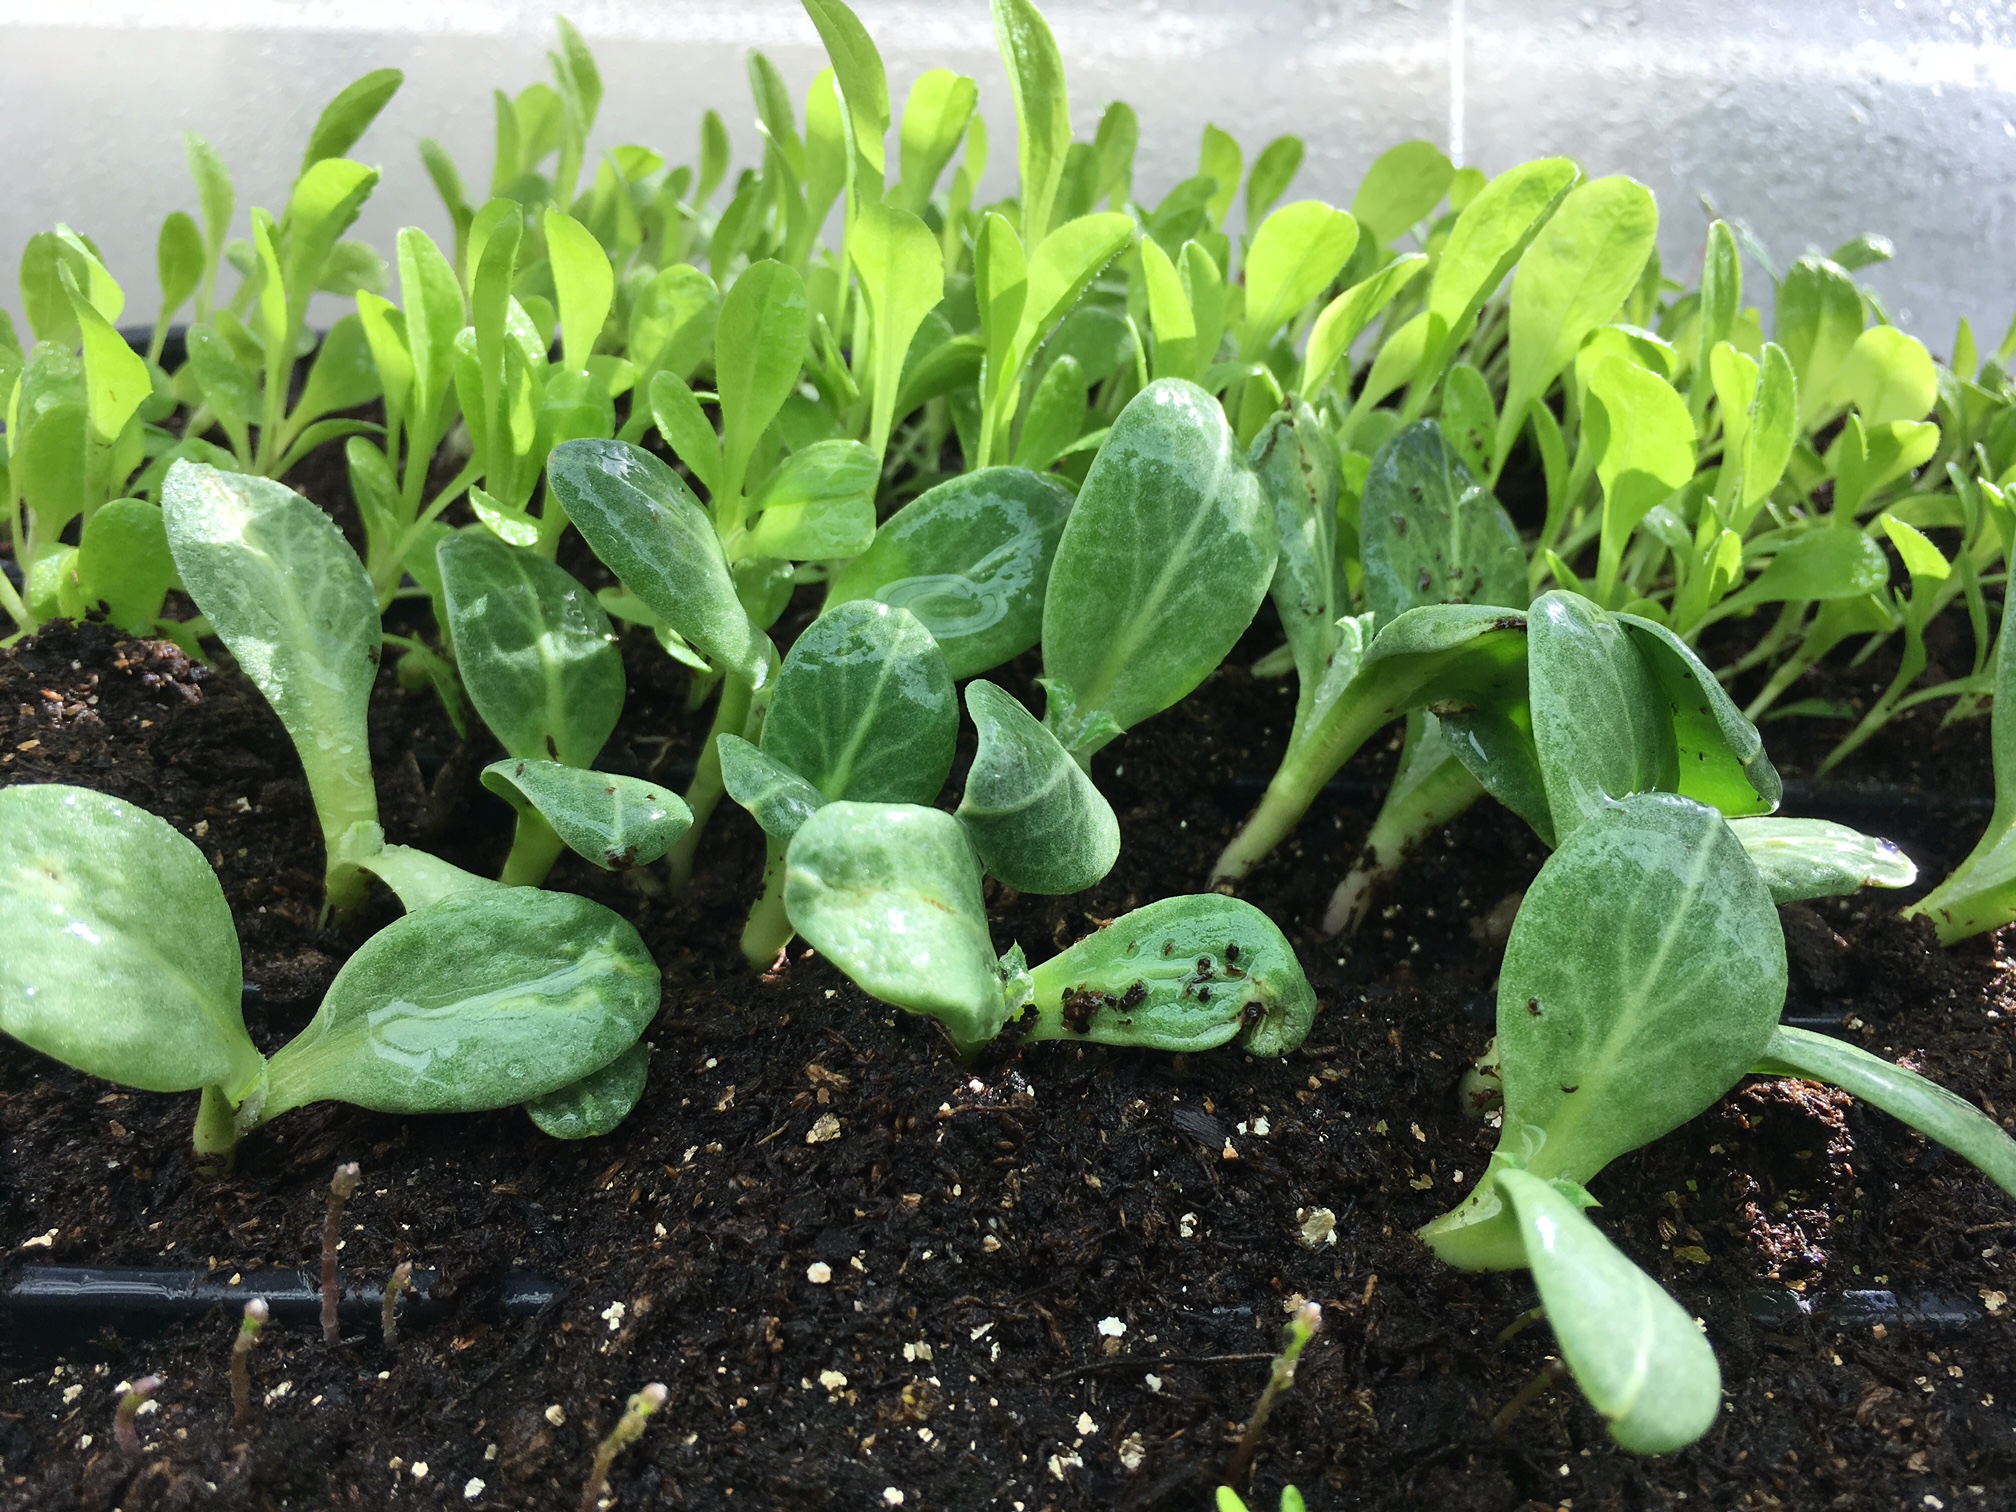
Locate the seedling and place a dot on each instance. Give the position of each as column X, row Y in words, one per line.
column 399, row 1281
column 1295, row 1337
column 1981, row 893
column 256, row 1313
column 342, row 1187
column 1615, row 1025
column 125, row 1421
column 629, row 1428
column 124, row 965
column 890, row 893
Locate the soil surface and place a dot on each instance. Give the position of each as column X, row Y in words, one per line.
column 873, row 1276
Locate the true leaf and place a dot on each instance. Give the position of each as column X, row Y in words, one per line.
column 970, row 558
column 1819, row 317
column 1722, row 761
column 615, row 822
column 1295, row 254
column 1042, row 108
column 485, row 999
column 890, row 893
column 1346, row 316
column 1634, row 1351
column 534, row 648
column 122, row 959
column 863, row 84
column 1163, row 561
column 348, row 116
column 1889, row 376
column 123, row 560
column 902, row 273
column 759, row 347
column 934, row 119
column 1403, row 184
column 1034, row 816
column 817, row 505
column 584, row 281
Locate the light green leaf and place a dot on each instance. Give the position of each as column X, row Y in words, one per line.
column 584, row 282
column 1059, row 269
column 759, row 347
column 1033, row 815
column 420, row 879
column 1056, row 415
column 934, row 119
column 280, row 585
column 512, row 526
column 1889, row 376
column 648, row 529
column 1344, row 319
column 1403, row 184
column 686, row 428
column 1819, row 318
column 484, row 999
column 863, row 84
column 1295, row 254
column 325, row 201
column 1164, row 559
column 344, row 375
column 123, row 561
column 1938, row 1114
column 672, row 321
column 1633, row 1350
column 596, row 1104
column 1042, row 108
column 864, row 707
column 1722, row 759
column 777, row 798
column 1183, row 974
column 434, row 317
column 1490, row 235
column 1273, row 170
column 902, row 273
column 1572, row 279
column 970, row 558
column 1430, row 533
column 178, row 261
column 1645, row 440
column 115, row 376
column 615, row 822
column 818, row 505
column 121, row 956
column 1920, row 557
column 1813, row 858
column 534, row 648
column 1169, row 315
column 890, row 893
column 348, row 116
column 1815, row 564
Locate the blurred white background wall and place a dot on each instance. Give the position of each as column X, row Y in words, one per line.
column 1811, row 120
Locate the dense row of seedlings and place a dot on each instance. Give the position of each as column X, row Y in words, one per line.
column 1152, row 426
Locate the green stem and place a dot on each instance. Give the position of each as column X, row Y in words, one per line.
column 731, row 717
column 534, row 849
column 216, row 1131
column 1310, row 763
column 1418, row 804
column 768, row 931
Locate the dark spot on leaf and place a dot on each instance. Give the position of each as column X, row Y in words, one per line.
column 552, row 749
column 621, row 860
column 1232, row 954
column 1533, row 1006
column 1576, row 1088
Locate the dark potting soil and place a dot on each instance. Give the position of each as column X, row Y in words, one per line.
column 864, row 1269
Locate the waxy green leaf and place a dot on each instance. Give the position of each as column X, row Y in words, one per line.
column 1633, row 1350
column 484, row 999
column 890, row 893
column 615, row 822
column 1183, row 974
column 535, row 650
column 1036, row 820
column 1722, row 761
column 1599, row 721
column 970, row 558
column 646, row 526
column 777, row 798
column 864, row 707
column 121, row 958
column 1166, row 556
column 1430, row 533
column 280, row 585
column 598, row 1102
column 1814, row 858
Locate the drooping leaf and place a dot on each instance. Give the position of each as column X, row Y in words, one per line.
column 484, row 999
column 122, row 959
column 1182, row 974
column 1164, row 559
column 970, row 558
column 535, row 650
column 1034, row 817
column 615, row 822
column 864, row 707
column 890, row 893
column 1633, row 1350
column 598, row 1102
column 1913, row 1099
column 1814, row 858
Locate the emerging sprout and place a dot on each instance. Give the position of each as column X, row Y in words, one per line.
column 342, row 1187
column 124, row 1433
column 400, row 1280
column 1304, row 1326
column 256, row 1313
column 629, row 1428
